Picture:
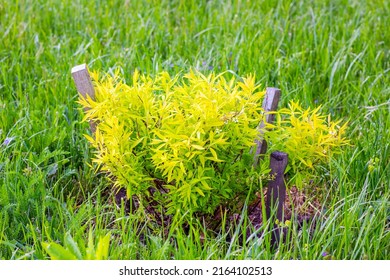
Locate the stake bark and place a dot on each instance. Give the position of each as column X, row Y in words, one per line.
column 270, row 104
column 276, row 192
column 83, row 82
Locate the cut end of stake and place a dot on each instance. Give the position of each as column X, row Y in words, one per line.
column 83, row 80
column 78, row 68
column 279, row 156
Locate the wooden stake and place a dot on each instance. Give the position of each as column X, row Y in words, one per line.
column 276, row 192
column 83, row 82
column 270, row 104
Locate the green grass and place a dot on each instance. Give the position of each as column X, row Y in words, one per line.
column 334, row 53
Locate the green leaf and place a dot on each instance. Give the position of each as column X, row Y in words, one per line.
column 215, row 156
column 102, row 247
column 91, row 247
column 197, row 147
column 214, row 159
column 205, row 185
column 57, row 252
column 72, row 246
column 199, row 191
column 135, row 143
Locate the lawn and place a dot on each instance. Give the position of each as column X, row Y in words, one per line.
column 333, row 53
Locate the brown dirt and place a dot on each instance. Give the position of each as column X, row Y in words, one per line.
column 297, row 203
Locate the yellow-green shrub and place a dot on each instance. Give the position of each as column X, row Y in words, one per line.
column 194, row 133
column 308, row 138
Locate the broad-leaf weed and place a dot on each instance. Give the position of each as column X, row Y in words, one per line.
column 73, row 251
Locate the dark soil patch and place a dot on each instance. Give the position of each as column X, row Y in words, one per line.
column 298, row 206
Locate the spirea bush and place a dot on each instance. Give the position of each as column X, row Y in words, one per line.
column 309, row 138
column 195, row 134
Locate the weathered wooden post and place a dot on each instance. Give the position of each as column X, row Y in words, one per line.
column 84, row 86
column 83, row 82
column 276, row 192
column 270, row 104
